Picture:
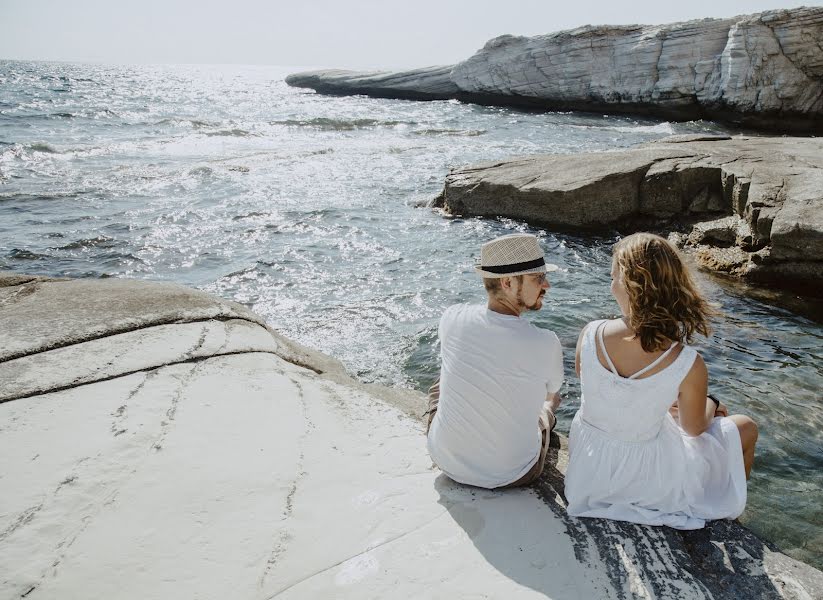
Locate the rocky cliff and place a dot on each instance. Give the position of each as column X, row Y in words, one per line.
column 160, row 443
column 762, row 71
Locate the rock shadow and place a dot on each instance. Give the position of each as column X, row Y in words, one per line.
column 722, row 560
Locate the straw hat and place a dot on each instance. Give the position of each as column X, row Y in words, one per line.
column 513, row 254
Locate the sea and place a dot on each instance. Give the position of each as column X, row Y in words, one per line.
column 311, row 210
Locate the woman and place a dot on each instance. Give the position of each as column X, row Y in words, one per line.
column 647, row 444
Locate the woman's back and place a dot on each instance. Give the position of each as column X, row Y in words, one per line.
column 618, row 349
column 625, row 392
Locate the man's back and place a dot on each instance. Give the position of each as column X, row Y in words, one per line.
column 496, row 372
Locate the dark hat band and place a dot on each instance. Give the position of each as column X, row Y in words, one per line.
column 523, row 266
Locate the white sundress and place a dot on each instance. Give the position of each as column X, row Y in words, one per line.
column 629, row 459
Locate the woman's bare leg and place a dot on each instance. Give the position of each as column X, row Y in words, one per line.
column 748, row 438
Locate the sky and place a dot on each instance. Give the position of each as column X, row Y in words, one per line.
column 356, row 34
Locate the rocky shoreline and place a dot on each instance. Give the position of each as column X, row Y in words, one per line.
column 761, row 71
column 160, row 442
column 751, row 208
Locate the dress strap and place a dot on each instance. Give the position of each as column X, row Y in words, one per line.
column 602, row 345
column 655, row 363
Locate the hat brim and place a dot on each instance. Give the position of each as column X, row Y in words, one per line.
column 547, row 268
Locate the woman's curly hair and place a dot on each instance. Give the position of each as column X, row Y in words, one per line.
column 664, row 303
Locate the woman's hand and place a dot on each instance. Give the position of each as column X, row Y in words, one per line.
column 721, row 411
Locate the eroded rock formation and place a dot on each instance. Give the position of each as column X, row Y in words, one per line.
column 433, row 83
column 751, row 207
column 763, row 71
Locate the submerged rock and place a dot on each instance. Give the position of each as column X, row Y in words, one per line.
column 751, row 207
column 763, row 70
column 159, row 442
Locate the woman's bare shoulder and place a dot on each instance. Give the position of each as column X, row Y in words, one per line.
column 698, row 373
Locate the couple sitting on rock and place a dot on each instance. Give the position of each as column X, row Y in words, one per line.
column 648, row 444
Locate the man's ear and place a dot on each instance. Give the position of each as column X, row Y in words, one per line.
column 506, row 283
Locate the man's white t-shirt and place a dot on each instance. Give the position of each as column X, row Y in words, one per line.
column 495, row 374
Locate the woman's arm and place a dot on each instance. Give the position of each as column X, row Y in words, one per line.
column 696, row 410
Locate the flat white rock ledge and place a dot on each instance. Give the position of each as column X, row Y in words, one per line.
column 248, row 477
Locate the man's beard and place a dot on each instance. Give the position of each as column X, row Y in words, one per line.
column 523, row 306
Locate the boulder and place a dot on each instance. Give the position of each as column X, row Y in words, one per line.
column 762, row 71
column 191, row 452
column 751, row 207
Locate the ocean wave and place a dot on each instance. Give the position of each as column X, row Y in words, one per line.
column 214, row 129
column 18, row 197
column 455, row 132
column 104, row 112
column 43, row 147
column 231, row 133
column 38, row 116
column 21, row 254
column 60, row 78
column 23, row 152
column 401, row 150
column 200, row 171
column 664, row 128
column 195, row 123
column 240, row 273
column 328, row 124
column 101, row 241
column 250, row 215
column 25, row 118
column 115, row 260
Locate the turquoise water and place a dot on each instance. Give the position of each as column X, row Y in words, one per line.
column 307, row 209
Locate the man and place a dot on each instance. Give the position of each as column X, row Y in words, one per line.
column 491, row 411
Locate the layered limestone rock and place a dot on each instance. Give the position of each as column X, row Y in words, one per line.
column 159, row 443
column 432, row 83
column 763, row 70
column 757, row 70
column 750, row 207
